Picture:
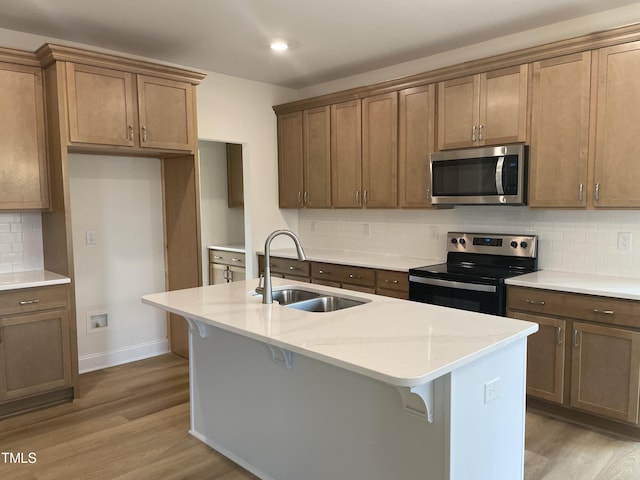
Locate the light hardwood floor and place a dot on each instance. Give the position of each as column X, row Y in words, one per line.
column 131, row 422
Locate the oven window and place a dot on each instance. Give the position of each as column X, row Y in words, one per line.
column 483, row 302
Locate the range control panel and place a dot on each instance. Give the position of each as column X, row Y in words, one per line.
column 493, row 244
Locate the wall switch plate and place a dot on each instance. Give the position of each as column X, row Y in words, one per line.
column 492, row 390
column 624, row 241
column 90, row 236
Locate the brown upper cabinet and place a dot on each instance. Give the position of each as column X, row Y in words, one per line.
column 24, row 171
column 616, row 171
column 483, row 109
column 560, row 113
column 304, row 159
column 346, row 154
column 416, row 140
column 380, row 151
column 115, row 107
column 235, row 183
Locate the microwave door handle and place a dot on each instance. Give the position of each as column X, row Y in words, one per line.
column 499, row 166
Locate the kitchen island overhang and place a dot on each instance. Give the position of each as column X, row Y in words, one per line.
column 410, row 383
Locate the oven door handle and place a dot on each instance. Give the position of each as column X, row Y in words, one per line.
column 451, row 284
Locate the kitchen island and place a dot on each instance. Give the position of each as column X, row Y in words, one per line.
column 385, row 389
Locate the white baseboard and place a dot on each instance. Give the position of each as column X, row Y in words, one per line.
column 98, row 361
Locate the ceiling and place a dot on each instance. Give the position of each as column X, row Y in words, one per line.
column 328, row 39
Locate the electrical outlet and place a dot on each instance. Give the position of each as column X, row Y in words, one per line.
column 624, row 241
column 366, row 229
column 492, row 390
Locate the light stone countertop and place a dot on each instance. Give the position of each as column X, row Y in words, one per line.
column 230, row 247
column 357, row 259
column 30, row 279
column 398, row 342
column 589, row 284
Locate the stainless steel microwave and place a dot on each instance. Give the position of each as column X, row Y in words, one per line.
column 480, row 176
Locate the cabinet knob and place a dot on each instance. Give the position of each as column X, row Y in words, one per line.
column 321, row 272
column 291, row 267
column 351, row 275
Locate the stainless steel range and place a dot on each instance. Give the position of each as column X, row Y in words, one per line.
column 477, row 266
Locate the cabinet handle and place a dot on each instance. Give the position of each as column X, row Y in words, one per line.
column 358, row 197
column 29, row 302
column 575, row 338
column 364, row 197
column 604, row 312
column 131, row 132
column 144, row 134
column 480, row 132
column 391, row 281
column 217, row 257
column 305, row 198
column 236, row 260
column 351, row 275
column 473, row 134
column 559, row 335
column 597, row 192
column 580, row 192
column 291, row 267
column 322, row 272
column 428, row 194
column 535, row 302
column 299, row 198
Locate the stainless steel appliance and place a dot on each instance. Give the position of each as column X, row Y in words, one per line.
column 486, row 176
column 474, row 274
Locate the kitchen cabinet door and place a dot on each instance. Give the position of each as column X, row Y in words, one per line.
column 166, row 113
column 458, row 110
column 415, row 143
column 101, row 105
column 545, row 357
column 605, row 371
column 23, row 169
column 503, row 106
column 346, row 154
column 235, row 185
column 560, row 112
column 380, row 151
column 290, row 163
column 484, row 109
column 617, row 172
column 34, row 354
column 317, row 157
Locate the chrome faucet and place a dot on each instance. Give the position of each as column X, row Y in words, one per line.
column 266, row 291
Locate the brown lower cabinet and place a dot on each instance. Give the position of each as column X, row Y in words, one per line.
column 35, row 348
column 390, row 283
column 586, row 355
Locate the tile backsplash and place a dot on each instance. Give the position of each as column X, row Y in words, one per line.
column 573, row 241
column 20, row 242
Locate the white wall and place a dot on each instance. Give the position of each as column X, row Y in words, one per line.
column 120, row 199
column 574, row 241
column 219, row 224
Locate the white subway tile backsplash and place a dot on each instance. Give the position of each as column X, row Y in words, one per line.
column 575, row 241
column 20, row 242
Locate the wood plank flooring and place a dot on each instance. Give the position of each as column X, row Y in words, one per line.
column 131, row 422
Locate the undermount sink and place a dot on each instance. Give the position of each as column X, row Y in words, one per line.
column 329, row 303
column 287, row 296
column 312, row 301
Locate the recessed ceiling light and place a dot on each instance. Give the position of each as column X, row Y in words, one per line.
column 279, row 46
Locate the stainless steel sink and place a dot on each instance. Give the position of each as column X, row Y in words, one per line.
column 287, row 296
column 326, row 304
column 313, row 301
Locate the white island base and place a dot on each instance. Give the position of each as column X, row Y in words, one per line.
column 291, row 417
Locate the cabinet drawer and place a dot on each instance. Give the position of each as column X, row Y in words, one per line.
column 289, row 266
column 390, row 280
column 613, row 311
column 224, row 257
column 343, row 274
column 33, row 299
